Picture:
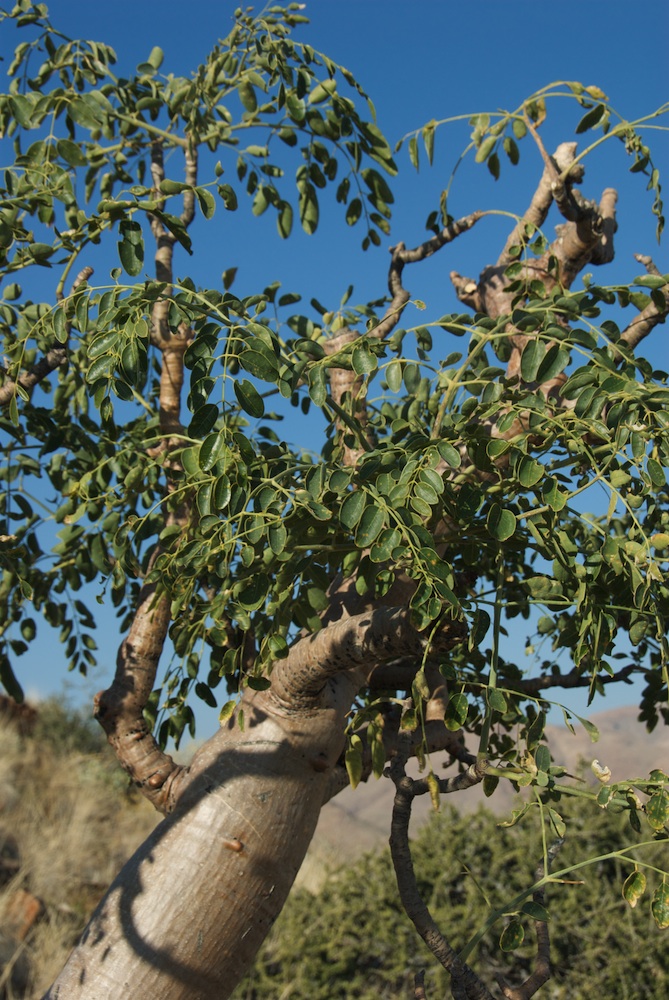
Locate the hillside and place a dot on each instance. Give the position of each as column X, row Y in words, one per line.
column 68, row 821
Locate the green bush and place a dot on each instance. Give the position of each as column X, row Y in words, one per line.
column 354, row 941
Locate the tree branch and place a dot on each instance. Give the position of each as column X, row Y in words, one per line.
column 352, row 645
column 542, row 199
column 465, row 982
column 52, row 360
column 649, row 317
column 401, row 256
column 343, row 381
column 119, row 709
column 574, row 679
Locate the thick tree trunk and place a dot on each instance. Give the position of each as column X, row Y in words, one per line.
column 188, row 912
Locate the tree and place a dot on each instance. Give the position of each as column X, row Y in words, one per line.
column 341, row 599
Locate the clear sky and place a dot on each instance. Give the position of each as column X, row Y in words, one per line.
column 418, row 60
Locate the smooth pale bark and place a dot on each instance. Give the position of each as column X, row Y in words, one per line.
column 190, row 909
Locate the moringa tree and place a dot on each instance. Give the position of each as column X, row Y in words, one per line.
column 350, row 603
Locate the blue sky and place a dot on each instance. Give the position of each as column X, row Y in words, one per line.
column 418, row 60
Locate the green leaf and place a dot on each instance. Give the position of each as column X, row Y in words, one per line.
column 247, row 96
column 322, row 91
column 519, row 128
column 393, row 374
column 532, row 357
column 512, row 936
column 501, row 523
column 71, row 153
column 353, row 212
column 227, row 711
column 207, row 202
column 449, row 454
column 249, row 398
column 413, row 151
column 590, row 728
column 412, row 378
column 131, row 247
column 591, row 118
column 511, row 149
column 295, row 106
column 496, row 700
column 659, row 906
column 456, row 711
column 530, row 472
column 656, row 473
column 536, row 911
column 428, row 139
column 203, row 420
column 386, row 542
column 352, row 508
column 278, row 537
column 284, row 219
column 363, row 360
column 353, row 760
column 263, row 366
column 555, row 361
column 308, row 207
column 85, row 111
column 485, row 148
column 317, row 385
column 156, row 57
column 221, row 493
column 60, row 326
column 553, row 495
column 369, row 526
column 542, row 757
column 657, row 810
column 212, row 449
column 634, row 887
column 252, row 593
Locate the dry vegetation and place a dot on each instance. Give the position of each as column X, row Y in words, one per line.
column 68, row 821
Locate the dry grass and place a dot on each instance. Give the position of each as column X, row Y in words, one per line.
column 74, row 821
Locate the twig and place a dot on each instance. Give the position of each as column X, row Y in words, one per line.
column 400, row 256
column 574, row 679
column 419, row 986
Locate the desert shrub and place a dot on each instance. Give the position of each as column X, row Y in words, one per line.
column 353, row 940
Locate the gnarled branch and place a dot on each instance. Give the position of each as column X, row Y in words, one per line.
column 352, row 645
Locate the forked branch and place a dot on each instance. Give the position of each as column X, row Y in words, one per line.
column 464, row 981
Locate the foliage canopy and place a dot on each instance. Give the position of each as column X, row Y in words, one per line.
column 464, row 459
